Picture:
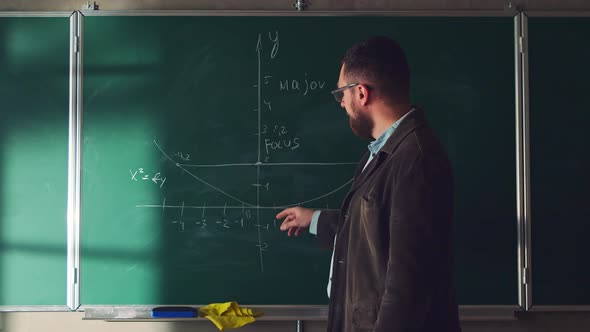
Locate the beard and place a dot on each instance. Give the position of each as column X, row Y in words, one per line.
column 361, row 125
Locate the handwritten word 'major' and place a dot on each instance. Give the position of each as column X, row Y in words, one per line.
column 304, row 85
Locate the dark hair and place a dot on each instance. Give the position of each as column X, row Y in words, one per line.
column 380, row 63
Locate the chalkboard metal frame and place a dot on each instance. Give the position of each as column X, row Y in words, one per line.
column 317, row 312
column 254, row 13
column 523, row 177
column 49, row 308
column 556, row 14
column 37, row 14
column 142, row 313
column 74, row 161
column 523, row 163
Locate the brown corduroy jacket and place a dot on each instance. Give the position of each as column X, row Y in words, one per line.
column 393, row 261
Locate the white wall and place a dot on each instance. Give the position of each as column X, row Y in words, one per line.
column 73, row 322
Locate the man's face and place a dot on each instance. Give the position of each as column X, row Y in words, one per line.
column 360, row 122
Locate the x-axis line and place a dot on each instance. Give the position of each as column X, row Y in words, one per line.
column 267, row 164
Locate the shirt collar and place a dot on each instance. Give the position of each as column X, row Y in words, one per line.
column 377, row 144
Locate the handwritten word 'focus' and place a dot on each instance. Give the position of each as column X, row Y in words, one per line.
column 280, row 144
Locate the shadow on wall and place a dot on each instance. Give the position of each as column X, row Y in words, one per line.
column 34, row 68
column 158, row 122
column 3, row 54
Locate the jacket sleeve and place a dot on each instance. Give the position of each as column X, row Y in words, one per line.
column 327, row 225
column 406, row 298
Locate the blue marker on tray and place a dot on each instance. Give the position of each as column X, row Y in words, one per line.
column 174, row 312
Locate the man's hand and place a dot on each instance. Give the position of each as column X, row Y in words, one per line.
column 296, row 218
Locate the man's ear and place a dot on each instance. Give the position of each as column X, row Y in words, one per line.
column 363, row 94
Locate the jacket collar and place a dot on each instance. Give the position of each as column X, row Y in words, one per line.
column 413, row 121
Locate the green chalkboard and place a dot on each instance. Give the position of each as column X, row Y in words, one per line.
column 34, row 74
column 559, row 72
column 198, row 129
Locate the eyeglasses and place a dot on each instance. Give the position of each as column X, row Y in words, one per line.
column 339, row 93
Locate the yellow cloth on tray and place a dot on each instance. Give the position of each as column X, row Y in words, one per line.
column 228, row 315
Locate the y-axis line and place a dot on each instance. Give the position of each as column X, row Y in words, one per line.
column 258, row 49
